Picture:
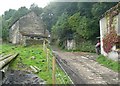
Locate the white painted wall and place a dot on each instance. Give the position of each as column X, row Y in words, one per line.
column 103, row 30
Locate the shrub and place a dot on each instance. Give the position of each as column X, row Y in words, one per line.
column 85, row 47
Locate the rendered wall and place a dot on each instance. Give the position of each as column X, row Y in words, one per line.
column 104, row 30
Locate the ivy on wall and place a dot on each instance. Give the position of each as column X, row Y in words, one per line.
column 111, row 38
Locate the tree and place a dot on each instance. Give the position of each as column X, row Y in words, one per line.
column 100, row 8
column 9, row 18
column 8, row 14
column 61, row 30
column 36, row 9
column 0, row 26
column 19, row 13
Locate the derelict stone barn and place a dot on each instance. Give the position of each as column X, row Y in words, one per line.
column 110, row 33
column 28, row 29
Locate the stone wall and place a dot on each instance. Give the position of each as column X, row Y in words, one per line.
column 28, row 24
column 14, row 34
column 70, row 44
column 31, row 24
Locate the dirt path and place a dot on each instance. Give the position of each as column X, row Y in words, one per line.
column 83, row 69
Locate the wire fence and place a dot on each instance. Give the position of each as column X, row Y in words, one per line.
column 59, row 75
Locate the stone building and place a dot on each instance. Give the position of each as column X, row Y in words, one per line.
column 70, row 44
column 28, row 29
column 110, row 33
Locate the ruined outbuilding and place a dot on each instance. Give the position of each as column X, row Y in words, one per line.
column 110, row 33
column 29, row 29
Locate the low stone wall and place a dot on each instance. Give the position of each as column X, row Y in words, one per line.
column 33, row 41
column 114, row 55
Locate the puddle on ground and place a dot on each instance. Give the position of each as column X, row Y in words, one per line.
column 21, row 77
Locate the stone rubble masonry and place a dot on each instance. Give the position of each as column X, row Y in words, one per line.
column 28, row 25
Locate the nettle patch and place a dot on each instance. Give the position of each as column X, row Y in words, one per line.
column 111, row 37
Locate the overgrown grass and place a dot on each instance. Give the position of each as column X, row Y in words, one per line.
column 25, row 60
column 109, row 63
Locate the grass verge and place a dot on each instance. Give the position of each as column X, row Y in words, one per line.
column 32, row 56
column 115, row 66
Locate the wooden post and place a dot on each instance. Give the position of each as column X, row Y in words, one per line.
column 44, row 45
column 53, row 71
column 47, row 59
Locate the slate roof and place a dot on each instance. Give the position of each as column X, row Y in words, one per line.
column 31, row 25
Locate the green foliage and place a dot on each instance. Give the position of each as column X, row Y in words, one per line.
column 74, row 21
column 61, row 29
column 9, row 18
column 19, row 13
column 64, row 20
column 53, row 10
column 109, row 63
column 85, row 8
column 99, row 8
column 82, row 23
column 8, row 14
column 36, row 9
column 0, row 26
column 85, row 46
column 86, row 28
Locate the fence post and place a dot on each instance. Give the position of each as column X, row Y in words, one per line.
column 47, row 59
column 53, row 70
column 44, row 45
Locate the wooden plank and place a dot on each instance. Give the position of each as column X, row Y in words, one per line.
column 37, row 68
column 7, row 60
column 34, row 69
column 5, row 68
column 4, row 57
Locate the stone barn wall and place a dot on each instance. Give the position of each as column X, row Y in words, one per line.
column 70, row 44
column 31, row 24
column 14, row 34
column 26, row 25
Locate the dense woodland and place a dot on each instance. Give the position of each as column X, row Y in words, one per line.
column 65, row 20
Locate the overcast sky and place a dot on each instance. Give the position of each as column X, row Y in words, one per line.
column 15, row 4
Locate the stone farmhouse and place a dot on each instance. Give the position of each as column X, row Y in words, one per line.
column 29, row 29
column 110, row 33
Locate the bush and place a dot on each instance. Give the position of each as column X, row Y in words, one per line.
column 85, row 47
